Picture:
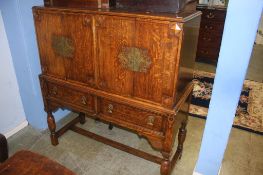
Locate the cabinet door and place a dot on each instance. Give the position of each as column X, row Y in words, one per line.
column 66, row 45
column 161, row 40
column 138, row 58
column 113, row 34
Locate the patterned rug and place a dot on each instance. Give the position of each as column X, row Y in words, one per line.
column 249, row 114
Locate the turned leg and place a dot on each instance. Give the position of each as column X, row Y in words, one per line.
column 52, row 127
column 166, row 164
column 181, row 138
column 82, row 119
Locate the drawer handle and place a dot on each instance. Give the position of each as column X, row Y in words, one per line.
column 54, row 90
column 110, row 108
column 209, row 27
column 150, row 120
column 207, row 39
column 84, row 100
column 210, row 15
column 203, row 51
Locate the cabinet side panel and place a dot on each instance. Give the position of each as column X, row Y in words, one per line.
column 188, row 52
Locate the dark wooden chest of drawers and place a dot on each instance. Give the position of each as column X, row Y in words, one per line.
column 130, row 69
column 210, row 34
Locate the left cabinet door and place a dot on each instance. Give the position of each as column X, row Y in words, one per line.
column 65, row 42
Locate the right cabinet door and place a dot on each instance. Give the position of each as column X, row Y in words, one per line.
column 161, row 40
column 138, row 58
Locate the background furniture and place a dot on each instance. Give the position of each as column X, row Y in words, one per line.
column 210, row 34
column 3, row 148
column 27, row 163
column 132, row 68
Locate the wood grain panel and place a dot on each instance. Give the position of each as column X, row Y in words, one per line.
column 162, row 49
column 114, row 33
column 80, row 68
column 46, row 25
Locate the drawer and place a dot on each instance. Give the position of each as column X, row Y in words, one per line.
column 71, row 96
column 208, row 52
column 213, row 15
column 209, row 41
column 214, row 28
column 132, row 115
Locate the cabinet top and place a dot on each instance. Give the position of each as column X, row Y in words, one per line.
column 186, row 15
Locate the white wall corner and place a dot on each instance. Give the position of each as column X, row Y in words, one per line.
column 16, row 129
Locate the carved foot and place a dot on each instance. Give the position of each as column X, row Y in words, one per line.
column 166, row 164
column 52, row 127
column 166, row 167
column 82, row 119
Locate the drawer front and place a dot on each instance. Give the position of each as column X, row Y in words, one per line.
column 71, row 96
column 208, row 52
column 131, row 115
column 213, row 15
column 212, row 28
column 209, row 41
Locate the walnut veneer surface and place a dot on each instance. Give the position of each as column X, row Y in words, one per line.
column 132, row 69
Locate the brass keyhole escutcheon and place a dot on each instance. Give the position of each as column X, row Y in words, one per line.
column 110, row 108
column 84, row 100
column 150, row 120
column 54, row 90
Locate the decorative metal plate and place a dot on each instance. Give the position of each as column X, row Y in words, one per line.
column 63, row 46
column 135, row 59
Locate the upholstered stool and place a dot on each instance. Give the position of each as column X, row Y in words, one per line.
column 28, row 163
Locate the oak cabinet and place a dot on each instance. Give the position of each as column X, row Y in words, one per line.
column 130, row 69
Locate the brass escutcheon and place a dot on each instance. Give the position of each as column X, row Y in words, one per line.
column 84, row 100
column 135, row 59
column 63, row 46
column 150, row 120
column 110, row 108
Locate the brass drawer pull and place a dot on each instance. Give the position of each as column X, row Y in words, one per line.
column 210, row 16
column 110, row 108
column 204, row 51
column 84, row 100
column 54, row 90
column 150, row 120
column 207, row 39
column 208, row 27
